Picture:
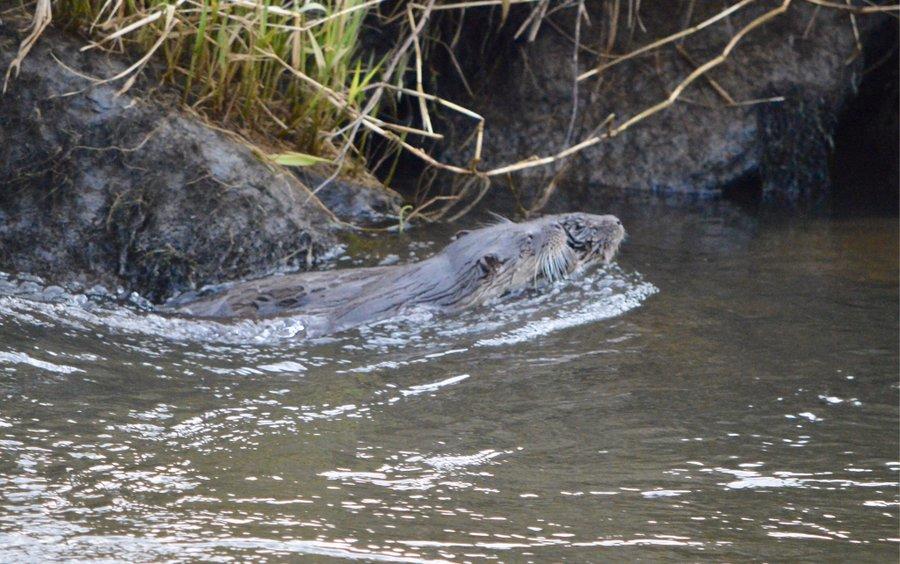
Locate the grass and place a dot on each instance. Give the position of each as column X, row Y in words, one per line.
column 293, row 73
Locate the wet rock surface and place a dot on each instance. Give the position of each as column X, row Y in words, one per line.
column 359, row 199
column 126, row 191
column 703, row 145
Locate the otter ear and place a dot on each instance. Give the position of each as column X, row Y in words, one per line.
column 460, row 234
column 489, row 264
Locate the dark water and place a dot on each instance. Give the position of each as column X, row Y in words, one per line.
column 748, row 410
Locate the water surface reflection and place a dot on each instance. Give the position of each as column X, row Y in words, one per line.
column 748, row 410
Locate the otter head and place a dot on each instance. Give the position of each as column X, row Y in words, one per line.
column 592, row 237
column 567, row 243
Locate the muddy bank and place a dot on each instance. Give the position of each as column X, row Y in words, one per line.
column 127, row 191
column 719, row 138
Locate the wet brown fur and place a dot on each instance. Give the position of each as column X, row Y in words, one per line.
column 476, row 266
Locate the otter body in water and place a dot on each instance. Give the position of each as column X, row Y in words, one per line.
column 477, row 266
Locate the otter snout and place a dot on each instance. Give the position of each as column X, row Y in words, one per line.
column 609, row 235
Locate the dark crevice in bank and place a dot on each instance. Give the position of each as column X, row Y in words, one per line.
column 865, row 165
column 746, row 191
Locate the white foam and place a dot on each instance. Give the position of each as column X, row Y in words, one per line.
column 434, row 386
column 594, row 311
column 23, row 358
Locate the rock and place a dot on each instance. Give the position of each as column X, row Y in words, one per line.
column 359, row 198
column 699, row 146
column 126, row 190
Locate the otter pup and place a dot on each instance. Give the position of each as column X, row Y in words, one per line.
column 476, row 266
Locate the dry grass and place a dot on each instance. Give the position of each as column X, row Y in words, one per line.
column 295, row 71
column 228, row 57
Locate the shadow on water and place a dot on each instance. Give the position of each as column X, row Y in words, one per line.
column 737, row 399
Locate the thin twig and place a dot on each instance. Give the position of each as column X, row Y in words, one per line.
column 812, row 22
column 557, row 178
column 671, row 99
column 574, row 115
column 373, row 101
column 855, row 28
column 756, row 101
column 674, row 37
column 710, row 80
column 423, row 106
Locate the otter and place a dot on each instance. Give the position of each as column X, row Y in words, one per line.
column 475, row 267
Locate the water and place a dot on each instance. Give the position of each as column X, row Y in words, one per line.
column 729, row 390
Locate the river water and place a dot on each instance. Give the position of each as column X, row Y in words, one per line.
column 727, row 390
